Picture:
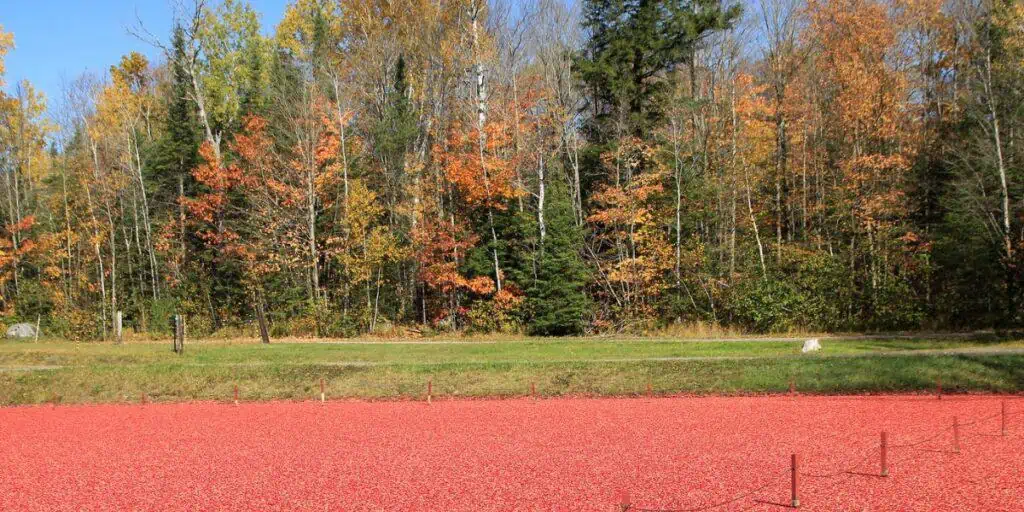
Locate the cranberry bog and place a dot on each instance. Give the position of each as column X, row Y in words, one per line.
column 959, row 452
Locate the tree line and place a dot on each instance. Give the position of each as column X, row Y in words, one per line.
column 541, row 166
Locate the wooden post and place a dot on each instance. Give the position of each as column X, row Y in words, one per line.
column 117, row 326
column 792, row 386
column 650, row 391
column 622, row 501
column 938, row 388
column 533, row 390
column 430, row 390
column 261, row 316
column 177, row 332
column 236, row 394
column 322, row 395
column 793, row 470
column 885, row 454
column 956, row 435
column 1002, row 422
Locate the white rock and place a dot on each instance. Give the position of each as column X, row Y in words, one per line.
column 811, row 345
column 22, row 331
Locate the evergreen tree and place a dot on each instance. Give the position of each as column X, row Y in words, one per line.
column 634, row 45
column 176, row 153
column 396, row 130
column 558, row 298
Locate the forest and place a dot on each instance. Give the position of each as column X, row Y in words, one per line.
column 546, row 167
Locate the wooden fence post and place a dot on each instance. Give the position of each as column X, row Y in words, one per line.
column 885, row 453
column 1002, row 422
column 118, row 317
column 177, row 330
column 956, row 435
column 793, row 470
column 179, row 334
column 261, row 317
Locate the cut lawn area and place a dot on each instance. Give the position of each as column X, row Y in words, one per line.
column 102, row 372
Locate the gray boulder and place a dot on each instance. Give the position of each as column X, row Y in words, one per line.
column 21, row 331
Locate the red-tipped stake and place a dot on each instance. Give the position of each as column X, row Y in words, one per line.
column 1002, row 423
column 622, row 501
column 236, row 394
column 430, row 390
column 650, row 391
column 143, row 399
column 533, row 390
column 956, row 435
column 322, row 396
column 796, row 501
column 885, row 454
column 938, row 388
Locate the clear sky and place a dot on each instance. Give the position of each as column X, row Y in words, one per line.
column 59, row 39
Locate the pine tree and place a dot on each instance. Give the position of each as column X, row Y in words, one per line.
column 558, row 298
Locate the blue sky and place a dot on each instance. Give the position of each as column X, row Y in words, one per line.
column 57, row 39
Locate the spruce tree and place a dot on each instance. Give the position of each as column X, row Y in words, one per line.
column 634, row 46
column 396, row 129
column 558, row 299
column 176, row 153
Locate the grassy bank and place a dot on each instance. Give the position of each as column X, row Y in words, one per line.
column 90, row 373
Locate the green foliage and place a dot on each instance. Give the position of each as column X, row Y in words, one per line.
column 395, row 131
column 896, row 306
column 75, row 325
column 766, row 305
column 489, row 316
column 175, row 153
column 34, row 301
column 631, row 44
column 161, row 316
column 233, row 49
column 558, row 301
